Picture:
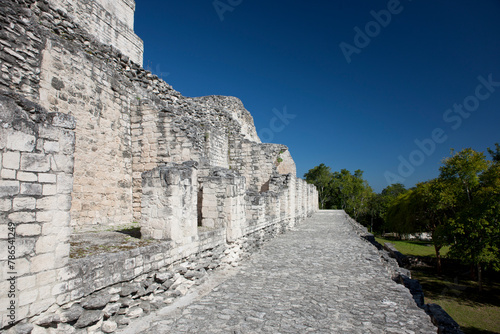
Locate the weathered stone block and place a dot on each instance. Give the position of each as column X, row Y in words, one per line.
column 64, row 121
column 62, row 163
column 35, row 162
column 72, row 314
column 42, row 304
column 49, row 189
column 49, row 132
column 96, row 301
column 60, row 288
column 47, row 178
column 109, row 326
column 5, row 204
column 26, row 282
column 3, row 139
column 8, row 174
column 62, row 254
column 51, row 146
column 64, row 183
column 46, row 277
column 31, row 189
column 24, row 203
column 19, row 141
column 8, row 188
column 28, row 230
column 22, row 266
column 27, row 177
column 22, row 217
column 89, row 318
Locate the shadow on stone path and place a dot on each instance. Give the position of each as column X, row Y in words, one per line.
column 320, row 278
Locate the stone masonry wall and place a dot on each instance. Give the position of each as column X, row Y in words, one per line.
column 117, row 104
column 20, row 46
column 286, row 165
column 222, row 202
column 169, row 205
column 111, row 21
column 257, row 162
column 235, row 107
column 36, row 167
column 91, row 141
column 73, row 83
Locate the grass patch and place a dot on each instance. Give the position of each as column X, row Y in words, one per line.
column 414, row 247
column 476, row 312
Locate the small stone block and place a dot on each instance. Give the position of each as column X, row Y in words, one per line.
column 11, row 160
column 35, row 162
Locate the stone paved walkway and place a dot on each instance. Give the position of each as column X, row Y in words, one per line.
column 321, row 278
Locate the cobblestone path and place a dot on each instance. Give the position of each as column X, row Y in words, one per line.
column 320, row 278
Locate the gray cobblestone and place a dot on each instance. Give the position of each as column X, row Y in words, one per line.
column 320, row 278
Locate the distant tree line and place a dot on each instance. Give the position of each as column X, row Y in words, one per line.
column 460, row 208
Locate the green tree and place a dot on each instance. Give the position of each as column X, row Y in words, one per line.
column 433, row 205
column 321, row 177
column 379, row 203
column 475, row 226
column 351, row 192
column 495, row 155
column 463, row 170
column 425, row 208
column 400, row 216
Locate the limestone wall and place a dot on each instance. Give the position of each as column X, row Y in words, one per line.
column 36, row 166
column 235, row 108
column 169, row 205
column 110, row 21
column 73, row 83
column 286, row 165
column 222, row 202
column 20, row 45
column 90, row 141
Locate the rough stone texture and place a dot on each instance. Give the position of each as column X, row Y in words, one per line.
column 320, row 278
column 445, row 323
column 111, row 21
column 81, row 124
column 222, row 202
column 233, row 106
column 36, row 197
column 89, row 318
column 169, row 206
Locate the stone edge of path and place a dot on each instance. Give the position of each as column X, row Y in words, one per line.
column 440, row 318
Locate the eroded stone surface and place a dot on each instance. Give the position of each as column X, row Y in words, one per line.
column 320, row 278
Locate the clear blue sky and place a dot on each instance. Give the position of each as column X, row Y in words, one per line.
column 419, row 61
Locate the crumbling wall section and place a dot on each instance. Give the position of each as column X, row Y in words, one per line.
column 223, row 202
column 110, row 21
column 234, row 107
column 256, row 161
column 21, row 47
column 169, row 205
column 286, row 165
column 36, row 178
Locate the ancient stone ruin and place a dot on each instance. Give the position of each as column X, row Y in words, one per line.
column 90, row 144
